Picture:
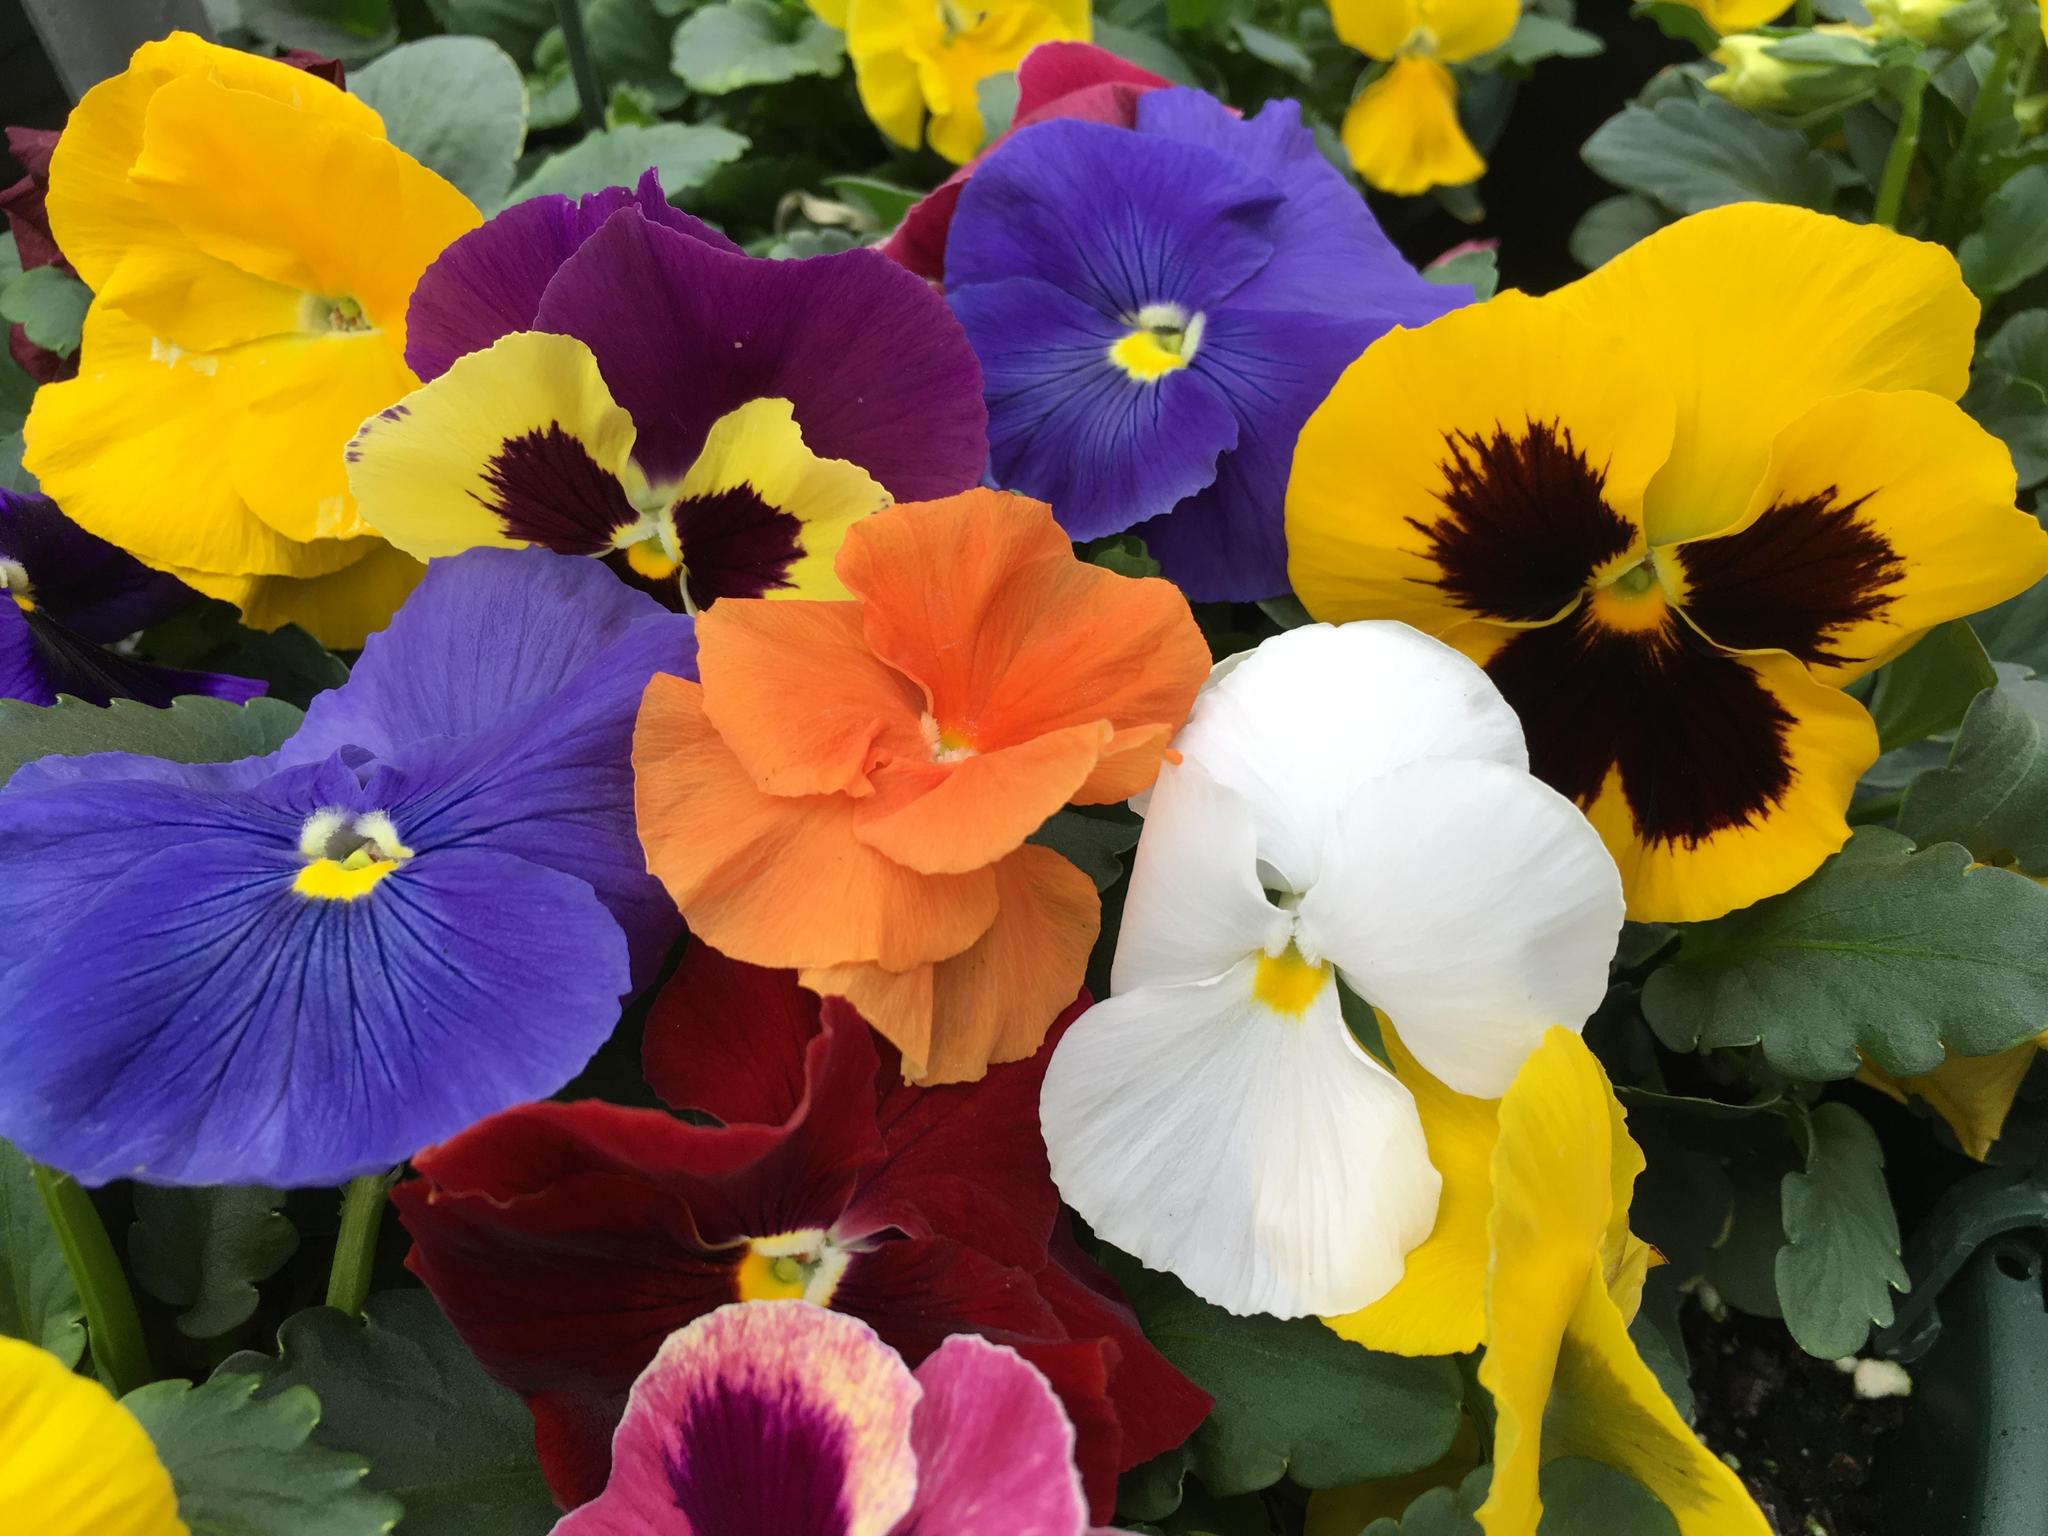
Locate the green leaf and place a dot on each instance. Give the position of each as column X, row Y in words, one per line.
column 629, row 45
column 2006, row 248
column 1680, row 23
column 1656, row 1334
column 1884, row 950
column 49, row 305
column 1992, row 797
column 1145, row 51
column 192, row 730
column 1152, row 1490
column 516, row 26
column 1124, row 553
column 1581, row 1496
column 1292, row 1397
column 1611, row 226
column 1927, row 690
column 2020, row 348
column 1441, row 1511
column 1690, row 155
column 883, row 202
column 353, row 31
column 38, row 1301
column 2016, row 631
column 1283, row 53
column 995, row 96
column 753, row 42
column 12, row 476
column 210, row 637
column 1840, row 1262
column 2015, row 411
column 401, row 1391
column 1479, row 266
column 455, row 104
column 1095, row 845
column 205, row 1249
column 684, row 155
column 1538, row 37
column 248, row 1468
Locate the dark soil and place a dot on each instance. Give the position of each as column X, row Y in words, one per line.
column 1792, row 1426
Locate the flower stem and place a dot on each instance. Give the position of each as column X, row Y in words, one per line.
column 589, row 91
column 355, row 1246
column 1898, row 164
column 118, row 1348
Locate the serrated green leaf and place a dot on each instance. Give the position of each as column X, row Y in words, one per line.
column 2006, row 248
column 1441, row 1511
column 1691, row 155
column 684, row 155
column 1095, row 845
column 353, row 31
column 1292, row 1399
column 1882, row 950
column 1840, row 1262
column 38, row 1300
column 1611, row 226
column 1992, row 796
column 205, row 1249
column 209, row 636
column 247, row 1468
column 455, row 104
column 400, row 1391
column 1927, row 690
column 49, row 305
column 192, row 730
column 752, row 42
column 1581, row 1496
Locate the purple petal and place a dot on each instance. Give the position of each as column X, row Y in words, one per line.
column 41, row 658
column 99, row 591
column 773, row 1416
column 1070, row 427
column 877, row 369
column 995, row 1450
column 489, row 283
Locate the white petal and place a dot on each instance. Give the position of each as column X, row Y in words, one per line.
column 1298, row 724
column 1195, row 907
column 1475, row 906
column 1265, row 1160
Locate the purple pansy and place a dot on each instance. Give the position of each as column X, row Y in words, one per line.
column 787, row 1417
column 424, row 908
column 74, row 596
column 1158, row 309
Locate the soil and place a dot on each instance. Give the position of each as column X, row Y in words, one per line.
column 1792, row 1426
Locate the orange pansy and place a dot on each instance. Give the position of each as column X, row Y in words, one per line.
column 850, row 788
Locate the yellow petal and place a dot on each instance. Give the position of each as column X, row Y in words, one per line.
column 1973, row 1094
column 1402, row 131
column 1738, row 15
column 1761, row 312
column 73, row 1461
column 426, row 472
column 1439, row 1305
column 1880, row 516
column 95, row 212
column 1366, row 502
column 201, row 304
column 339, row 610
column 1464, row 29
column 1377, row 28
column 832, row 12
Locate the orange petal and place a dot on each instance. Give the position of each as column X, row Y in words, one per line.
column 995, row 1001
column 946, row 818
column 799, row 698
column 980, row 599
column 781, row 880
column 1128, row 765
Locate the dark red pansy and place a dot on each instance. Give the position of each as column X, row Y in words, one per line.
column 567, row 1241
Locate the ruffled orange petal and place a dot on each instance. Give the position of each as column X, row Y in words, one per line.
column 979, row 598
column 799, row 698
column 781, row 880
column 994, row 1001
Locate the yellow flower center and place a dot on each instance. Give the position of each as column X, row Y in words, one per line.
column 1632, row 601
column 1163, row 337
column 958, row 21
column 321, row 314
column 347, row 856
column 1288, row 982
column 797, row 1266
column 947, row 744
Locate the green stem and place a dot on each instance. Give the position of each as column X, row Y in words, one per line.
column 118, row 1348
column 1802, row 13
column 1898, row 164
column 355, row 1246
column 1962, row 165
column 589, row 91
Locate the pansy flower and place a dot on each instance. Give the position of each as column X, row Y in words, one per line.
column 1157, row 310
column 777, row 1417
column 73, row 597
column 852, row 789
column 1077, row 80
column 1350, row 803
column 612, row 378
column 294, row 969
column 918, row 64
column 77, row 1463
column 1670, row 534
column 246, row 317
column 565, row 1241
column 1402, row 131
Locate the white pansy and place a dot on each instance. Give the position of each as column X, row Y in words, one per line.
column 1351, row 801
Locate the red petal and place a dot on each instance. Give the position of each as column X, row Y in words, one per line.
column 729, row 1039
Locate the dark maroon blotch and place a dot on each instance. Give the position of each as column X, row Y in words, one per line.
column 546, row 489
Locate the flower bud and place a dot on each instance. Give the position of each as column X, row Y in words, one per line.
column 1800, row 72
column 1940, row 23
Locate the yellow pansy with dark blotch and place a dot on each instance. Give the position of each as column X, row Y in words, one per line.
column 1672, row 509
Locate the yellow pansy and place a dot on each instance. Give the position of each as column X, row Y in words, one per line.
column 1672, row 509
column 917, row 62
column 1726, row 16
column 74, row 1462
column 1402, row 131
column 1973, row 1094
column 251, row 239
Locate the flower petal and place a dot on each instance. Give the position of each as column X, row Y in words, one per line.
column 99, row 591
column 77, row 1463
column 340, row 609
column 1403, row 134
column 1261, row 1157
column 1474, row 905
column 694, row 1057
